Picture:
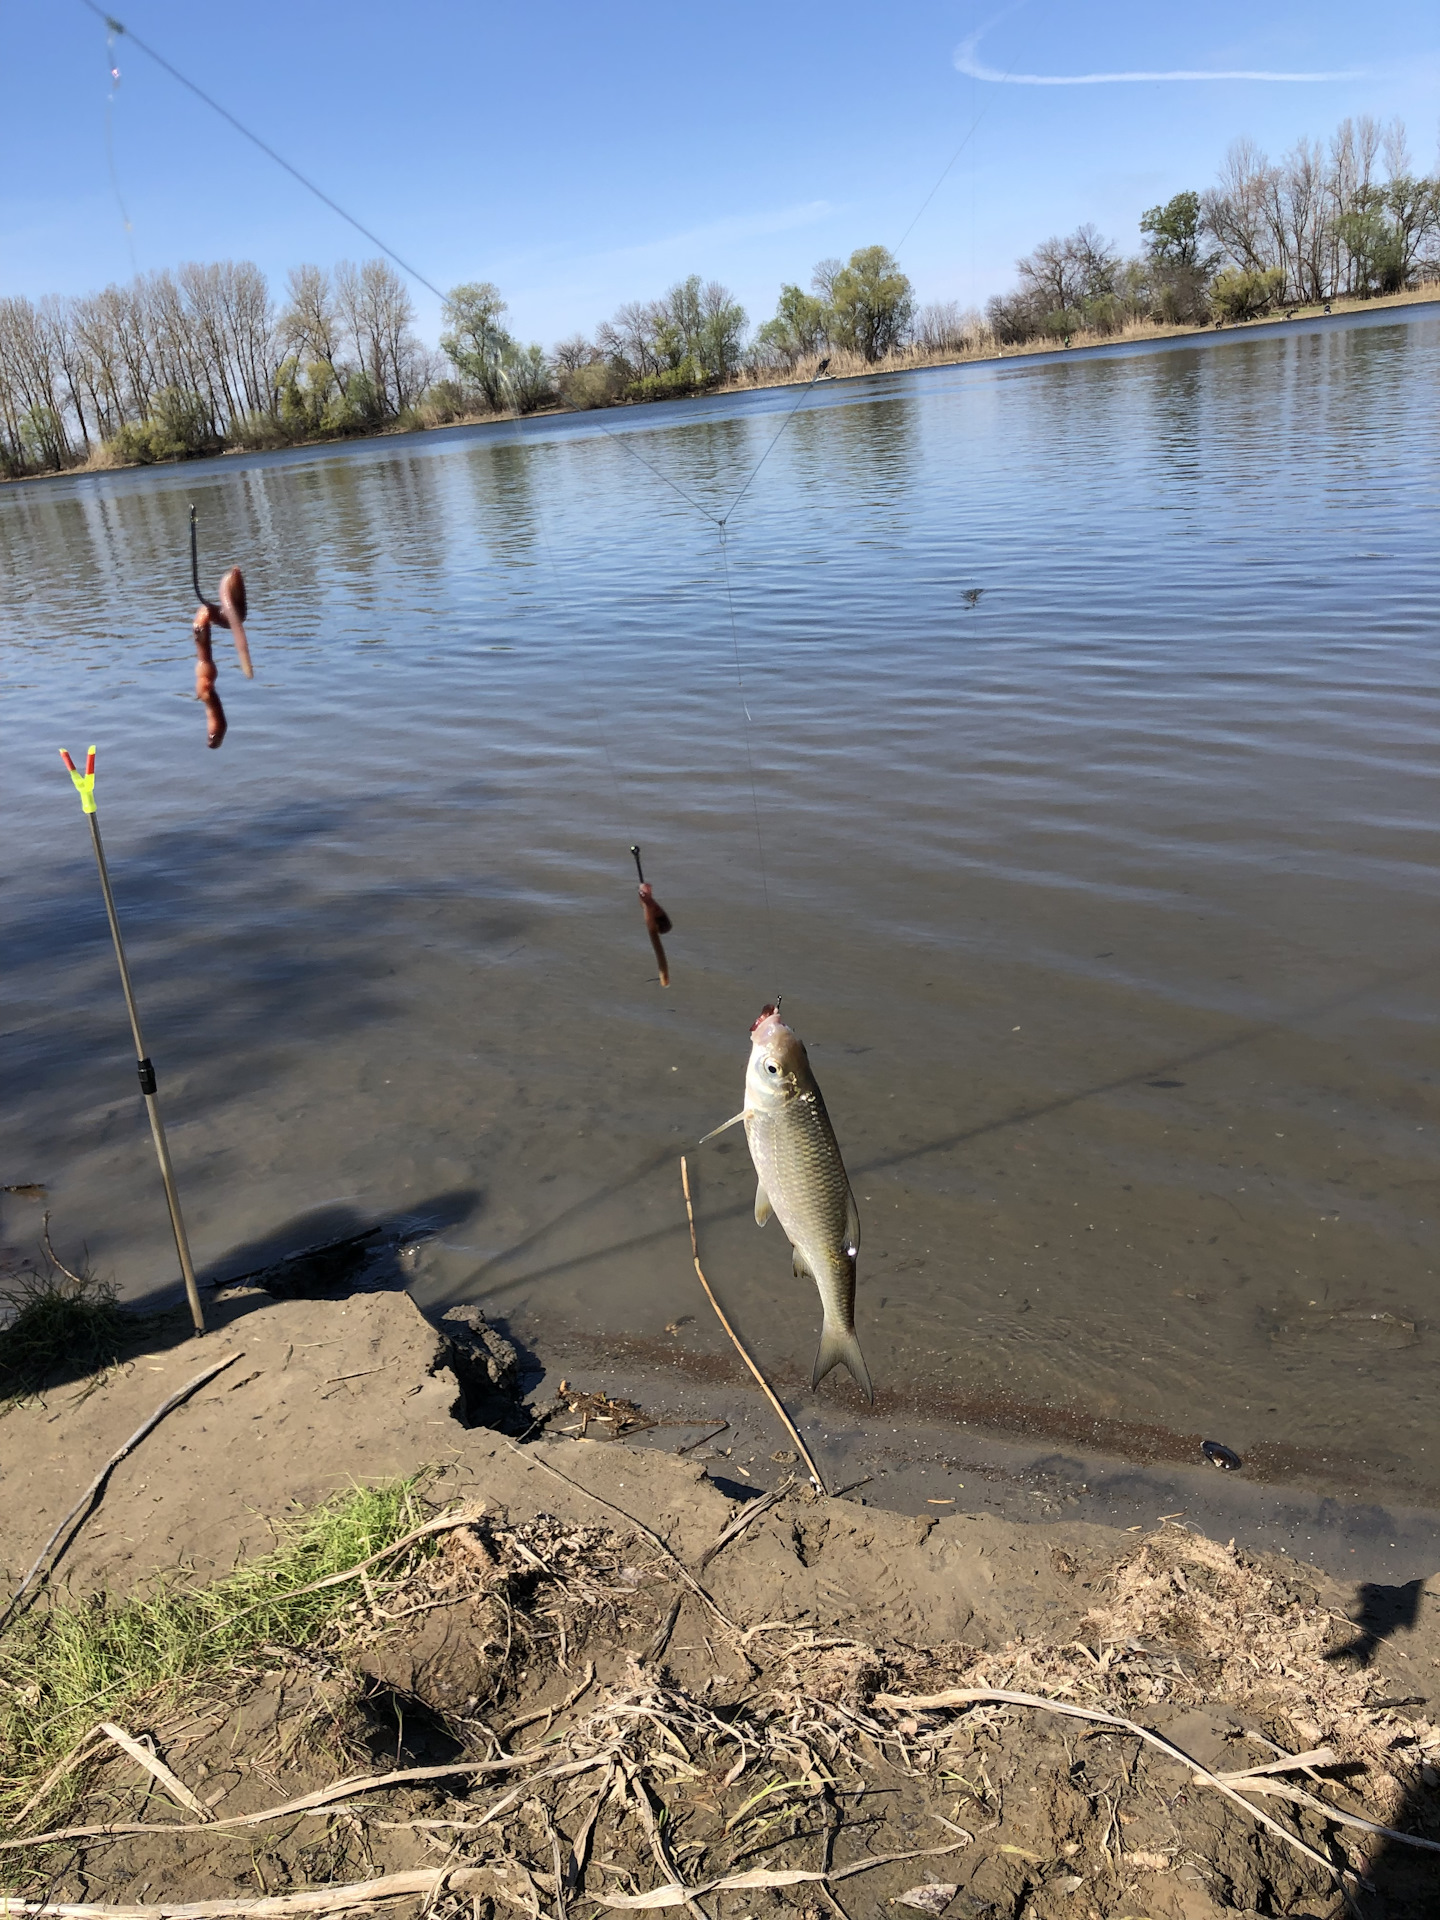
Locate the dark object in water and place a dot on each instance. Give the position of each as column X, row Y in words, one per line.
column 657, row 921
column 972, row 596
column 1223, row 1457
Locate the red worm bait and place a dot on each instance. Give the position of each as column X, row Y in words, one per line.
column 657, row 921
column 205, row 677
column 231, row 613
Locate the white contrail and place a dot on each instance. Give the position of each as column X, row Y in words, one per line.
column 967, row 63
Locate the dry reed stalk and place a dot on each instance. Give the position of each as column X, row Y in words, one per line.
column 307, row 1803
column 766, row 1388
column 1003, row 1696
column 752, row 1511
column 430, row 1881
column 157, row 1769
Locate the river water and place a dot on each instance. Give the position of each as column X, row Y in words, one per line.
column 1091, row 743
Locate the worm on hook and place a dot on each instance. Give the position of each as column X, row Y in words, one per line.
column 233, row 606
column 657, row 921
column 205, row 677
column 231, row 613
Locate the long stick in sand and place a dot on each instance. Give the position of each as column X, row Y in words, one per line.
column 768, row 1390
column 85, row 787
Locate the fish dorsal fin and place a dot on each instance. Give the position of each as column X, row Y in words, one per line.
column 763, row 1208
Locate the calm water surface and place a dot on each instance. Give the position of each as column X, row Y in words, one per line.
column 1105, row 904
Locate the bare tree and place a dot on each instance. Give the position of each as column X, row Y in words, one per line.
column 310, row 325
column 378, row 315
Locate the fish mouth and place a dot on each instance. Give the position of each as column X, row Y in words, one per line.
column 767, row 1012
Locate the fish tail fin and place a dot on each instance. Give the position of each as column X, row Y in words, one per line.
column 839, row 1347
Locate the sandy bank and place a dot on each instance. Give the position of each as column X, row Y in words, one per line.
column 588, row 1632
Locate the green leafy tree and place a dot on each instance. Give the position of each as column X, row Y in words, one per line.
column 475, row 342
column 1173, row 232
column 800, row 327
column 526, row 376
column 1176, row 260
column 1242, row 293
column 704, row 324
column 1376, row 248
column 871, row 303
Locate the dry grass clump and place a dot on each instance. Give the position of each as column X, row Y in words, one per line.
column 1244, row 1636
column 60, row 1323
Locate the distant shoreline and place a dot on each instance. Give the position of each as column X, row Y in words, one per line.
column 842, row 366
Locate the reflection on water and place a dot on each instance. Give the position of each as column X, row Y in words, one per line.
column 1105, row 904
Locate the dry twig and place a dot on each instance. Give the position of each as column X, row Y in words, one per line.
column 92, row 1493
column 534, row 1460
column 769, row 1392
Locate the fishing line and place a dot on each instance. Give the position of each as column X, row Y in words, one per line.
column 621, row 808
column 114, row 70
column 945, row 170
column 944, row 173
column 117, row 27
column 819, row 374
column 749, row 756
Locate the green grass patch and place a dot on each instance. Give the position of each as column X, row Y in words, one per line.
column 67, row 1326
column 66, row 1667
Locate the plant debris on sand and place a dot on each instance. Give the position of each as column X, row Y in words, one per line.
column 476, row 1715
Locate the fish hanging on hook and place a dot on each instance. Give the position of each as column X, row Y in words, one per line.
column 657, row 921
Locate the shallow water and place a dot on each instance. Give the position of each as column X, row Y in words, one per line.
column 1105, row 904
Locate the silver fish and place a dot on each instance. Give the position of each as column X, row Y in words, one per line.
column 802, row 1180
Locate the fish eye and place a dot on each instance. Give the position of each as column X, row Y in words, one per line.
column 770, row 1067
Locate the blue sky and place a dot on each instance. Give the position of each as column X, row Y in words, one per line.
column 582, row 156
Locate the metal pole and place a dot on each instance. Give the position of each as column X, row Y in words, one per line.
column 147, row 1074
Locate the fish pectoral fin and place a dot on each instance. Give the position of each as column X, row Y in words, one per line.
column 733, row 1121
column 852, row 1225
column 763, row 1208
column 840, row 1348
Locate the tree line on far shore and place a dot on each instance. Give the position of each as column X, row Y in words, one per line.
column 192, row 362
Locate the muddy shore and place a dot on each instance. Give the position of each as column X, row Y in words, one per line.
column 853, row 1604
